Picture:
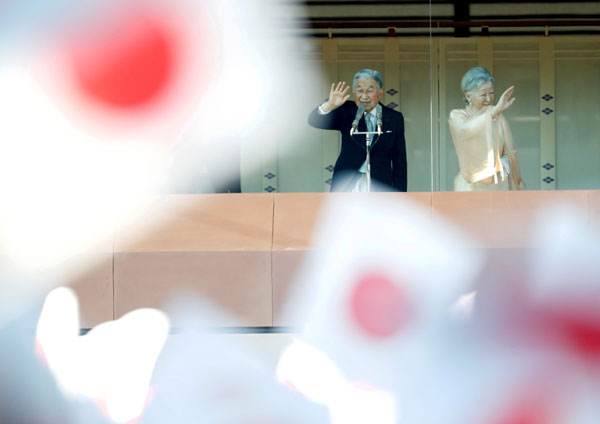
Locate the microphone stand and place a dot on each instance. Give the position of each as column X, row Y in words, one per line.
column 368, row 135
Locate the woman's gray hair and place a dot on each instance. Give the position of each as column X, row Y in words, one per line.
column 474, row 78
column 368, row 74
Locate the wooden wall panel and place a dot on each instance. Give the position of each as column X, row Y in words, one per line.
column 240, row 282
column 215, row 245
column 500, row 219
column 207, row 222
column 94, row 289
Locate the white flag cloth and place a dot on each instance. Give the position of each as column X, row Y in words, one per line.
column 379, row 283
column 205, row 376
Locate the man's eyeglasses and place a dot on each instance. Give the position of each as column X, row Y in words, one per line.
column 361, row 91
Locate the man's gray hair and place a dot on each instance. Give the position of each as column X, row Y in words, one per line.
column 368, row 74
column 474, row 78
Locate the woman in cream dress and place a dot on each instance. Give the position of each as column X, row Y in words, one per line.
column 486, row 152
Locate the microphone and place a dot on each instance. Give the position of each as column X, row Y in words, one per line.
column 359, row 113
column 379, row 112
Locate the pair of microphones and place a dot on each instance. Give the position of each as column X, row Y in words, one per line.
column 360, row 112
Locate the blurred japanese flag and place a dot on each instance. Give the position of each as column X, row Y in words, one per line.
column 205, row 376
column 379, row 286
column 111, row 365
column 482, row 382
column 531, row 353
column 547, row 301
column 106, row 103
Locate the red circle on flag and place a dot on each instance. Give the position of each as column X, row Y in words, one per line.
column 379, row 306
column 126, row 62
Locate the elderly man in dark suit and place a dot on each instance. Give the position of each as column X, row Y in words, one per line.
column 388, row 151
